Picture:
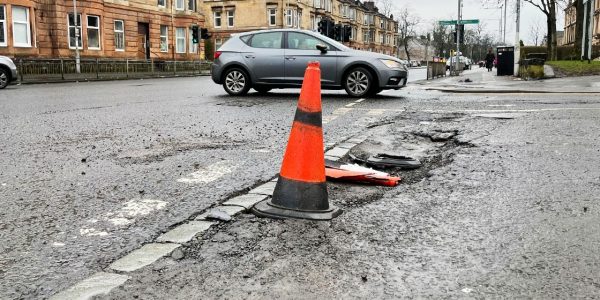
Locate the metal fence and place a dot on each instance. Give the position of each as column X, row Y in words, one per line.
column 435, row 70
column 48, row 70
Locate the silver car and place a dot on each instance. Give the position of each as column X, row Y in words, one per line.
column 269, row 59
column 8, row 71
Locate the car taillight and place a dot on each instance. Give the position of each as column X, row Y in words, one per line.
column 218, row 54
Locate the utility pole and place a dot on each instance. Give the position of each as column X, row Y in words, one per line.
column 517, row 38
column 77, row 35
column 504, row 31
column 588, row 21
column 458, row 36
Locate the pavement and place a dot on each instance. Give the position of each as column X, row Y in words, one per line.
column 107, row 186
column 482, row 81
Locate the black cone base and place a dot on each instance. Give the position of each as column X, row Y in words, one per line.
column 266, row 209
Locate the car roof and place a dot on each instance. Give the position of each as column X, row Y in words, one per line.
column 275, row 29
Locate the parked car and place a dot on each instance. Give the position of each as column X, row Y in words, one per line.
column 466, row 62
column 277, row 58
column 415, row 63
column 8, row 71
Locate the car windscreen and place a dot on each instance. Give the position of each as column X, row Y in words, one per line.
column 334, row 43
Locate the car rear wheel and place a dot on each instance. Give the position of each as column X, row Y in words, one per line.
column 358, row 82
column 4, row 78
column 236, row 82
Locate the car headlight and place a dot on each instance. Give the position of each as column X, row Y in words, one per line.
column 392, row 64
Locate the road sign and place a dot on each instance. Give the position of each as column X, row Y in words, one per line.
column 451, row 22
column 469, row 22
column 454, row 22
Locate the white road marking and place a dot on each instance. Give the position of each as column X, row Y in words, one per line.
column 376, row 112
column 351, row 104
column 57, row 244
column 360, row 100
column 327, row 119
column 341, row 111
column 92, row 232
column 210, row 173
column 498, row 105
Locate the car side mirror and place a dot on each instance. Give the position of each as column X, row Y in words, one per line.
column 322, row 48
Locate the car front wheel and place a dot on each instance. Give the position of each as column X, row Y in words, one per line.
column 358, row 82
column 4, row 78
column 236, row 82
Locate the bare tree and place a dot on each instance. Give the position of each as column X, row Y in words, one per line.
column 536, row 33
column 385, row 6
column 407, row 23
column 549, row 8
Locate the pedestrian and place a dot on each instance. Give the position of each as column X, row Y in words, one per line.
column 489, row 60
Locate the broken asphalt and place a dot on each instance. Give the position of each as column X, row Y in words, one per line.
column 478, row 80
column 486, row 216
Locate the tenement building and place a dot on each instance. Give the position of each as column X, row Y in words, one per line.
column 162, row 29
column 571, row 21
column 140, row 29
column 371, row 30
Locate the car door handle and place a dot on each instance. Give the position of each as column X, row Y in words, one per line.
column 290, row 58
column 250, row 56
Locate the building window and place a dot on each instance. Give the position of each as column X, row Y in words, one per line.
column 272, row 12
column 74, row 33
column 193, row 46
column 180, row 39
column 119, row 35
column 218, row 43
column 179, row 4
column 162, row 3
column 21, row 31
column 192, row 5
column 164, row 38
column 2, row 25
column 93, row 32
column 217, row 18
column 230, row 17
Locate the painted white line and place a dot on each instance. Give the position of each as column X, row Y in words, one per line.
column 134, row 208
column 210, row 173
column 143, row 256
column 360, row 100
column 376, row 112
column 506, row 105
column 185, row 232
column 92, row 232
column 264, row 189
column 98, row 284
column 230, row 210
column 341, row 111
column 337, row 152
column 245, row 201
column 327, row 119
column 351, row 104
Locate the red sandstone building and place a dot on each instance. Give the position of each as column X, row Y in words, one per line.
column 135, row 29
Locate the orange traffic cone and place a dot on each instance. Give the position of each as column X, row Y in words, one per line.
column 301, row 190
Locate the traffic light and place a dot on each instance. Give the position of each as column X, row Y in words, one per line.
column 460, row 28
column 337, row 32
column 322, row 27
column 330, row 29
column 454, row 36
column 347, row 33
column 204, row 34
column 195, row 37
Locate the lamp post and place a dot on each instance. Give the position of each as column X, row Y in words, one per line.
column 77, row 34
column 517, row 38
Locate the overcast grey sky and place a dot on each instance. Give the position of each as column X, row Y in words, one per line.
column 431, row 10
